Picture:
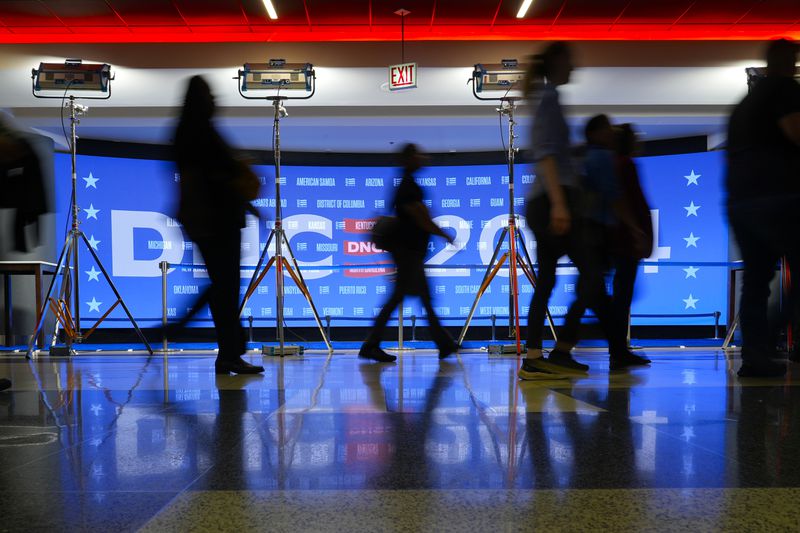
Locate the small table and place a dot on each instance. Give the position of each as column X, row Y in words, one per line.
column 37, row 269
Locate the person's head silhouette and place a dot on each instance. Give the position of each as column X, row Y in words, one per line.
column 781, row 58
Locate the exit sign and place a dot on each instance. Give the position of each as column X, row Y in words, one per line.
column 402, row 76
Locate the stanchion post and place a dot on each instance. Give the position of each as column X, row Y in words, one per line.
column 717, row 314
column 250, row 327
column 413, row 327
column 400, row 326
column 328, row 326
column 164, row 266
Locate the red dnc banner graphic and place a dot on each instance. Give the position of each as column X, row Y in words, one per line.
column 356, row 225
column 361, row 248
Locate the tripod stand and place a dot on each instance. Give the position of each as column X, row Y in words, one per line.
column 70, row 320
column 515, row 243
column 281, row 263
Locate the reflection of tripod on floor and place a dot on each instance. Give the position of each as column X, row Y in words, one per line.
column 515, row 244
column 279, row 260
column 70, row 319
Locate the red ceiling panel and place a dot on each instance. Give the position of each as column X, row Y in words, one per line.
column 591, row 11
column 421, row 11
column 20, row 13
column 374, row 20
column 211, row 12
column 718, row 11
column 81, row 13
column 655, row 11
column 325, row 12
column 457, row 12
column 540, row 12
column 146, row 12
column 775, row 11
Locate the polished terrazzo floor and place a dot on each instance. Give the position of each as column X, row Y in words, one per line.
column 119, row 442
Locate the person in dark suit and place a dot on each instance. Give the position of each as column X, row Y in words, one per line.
column 763, row 185
column 414, row 229
column 212, row 211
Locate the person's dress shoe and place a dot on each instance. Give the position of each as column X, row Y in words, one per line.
column 236, row 366
column 5, row 383
column 376, row 354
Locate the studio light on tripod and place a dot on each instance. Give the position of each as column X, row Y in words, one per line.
column 497, row 77
column 72, row 74
column 276, row 74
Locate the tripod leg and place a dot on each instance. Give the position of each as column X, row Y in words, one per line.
column 46, row 300
column 252, row 289
column 484, row 282
column 532, row 277
column 297, row 275
column 117, row 294
column 257, row 277
column 729, row 335
column 514, row 282
column 488, row 279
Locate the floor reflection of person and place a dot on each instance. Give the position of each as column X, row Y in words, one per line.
column 763, row 186
column 409, row 467
column 212, row 211
column 584, row 449
column 415, row 226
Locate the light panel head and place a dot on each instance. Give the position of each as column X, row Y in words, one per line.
column 498, row 77
column 277, row 74
column 72, row 74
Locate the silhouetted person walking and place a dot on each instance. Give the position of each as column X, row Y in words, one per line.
column 554, row 214
column 414, row 227
column 619, row 230
column 763, row 183
column 212, row 211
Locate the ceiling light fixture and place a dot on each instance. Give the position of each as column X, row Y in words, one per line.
column 270, row 9
column 523, row 9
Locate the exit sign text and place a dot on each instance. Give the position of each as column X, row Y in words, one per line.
column 402, row 76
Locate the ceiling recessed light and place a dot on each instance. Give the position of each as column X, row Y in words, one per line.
column 523, row 9
column 270, row 9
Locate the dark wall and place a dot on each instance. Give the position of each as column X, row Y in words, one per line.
column 682, row 145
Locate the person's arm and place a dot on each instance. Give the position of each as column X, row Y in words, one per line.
column 790, row 125
column 422, row 218
column 560, row 219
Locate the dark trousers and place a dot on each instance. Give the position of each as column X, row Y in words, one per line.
column 221, row 253
column 765, row 231
column 591, row 284
column 625, row 269
column 411, row 281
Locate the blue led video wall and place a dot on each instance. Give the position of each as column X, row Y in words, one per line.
column 127, row 207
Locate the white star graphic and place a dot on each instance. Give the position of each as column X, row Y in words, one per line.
column 91, row 212
column 93, row 243
column 691, row 209
column 91, row 181
column 96, row 408
column 691, row 240
column 94, row 305
column 691, row 272
column 92, row 274
column 692, row 178
column 690, row 302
